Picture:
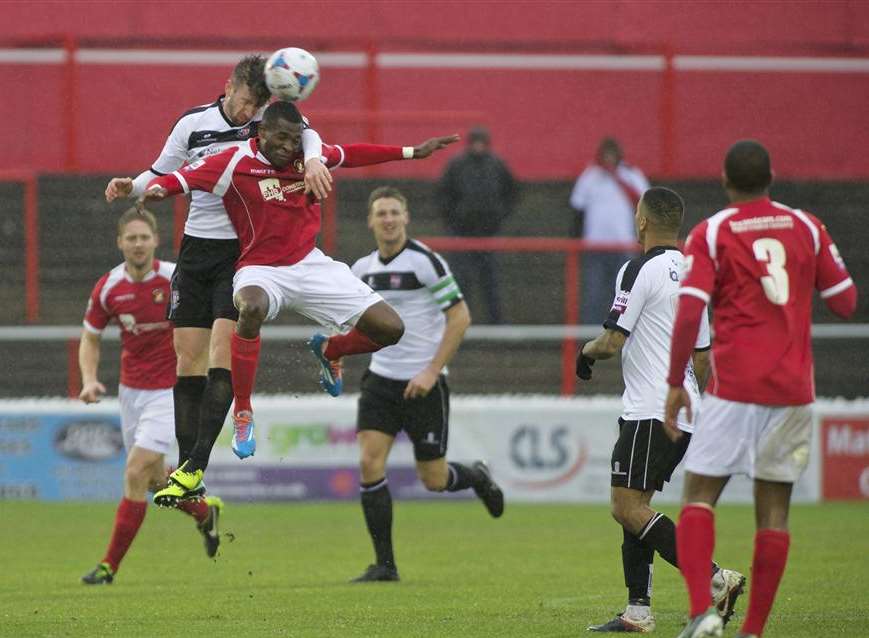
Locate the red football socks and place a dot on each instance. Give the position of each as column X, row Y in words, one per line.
column 197, row 508
column 695, row 541
column 245, row 359
column 354, row 342
column 128, row 519
column 770, row 557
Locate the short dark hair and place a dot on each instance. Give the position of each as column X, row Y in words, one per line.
column 281, row 111
column 250, row 72
column 747, row 167
column 382, row 192
column 611, row 144
column 135, row 214
column 664, row 208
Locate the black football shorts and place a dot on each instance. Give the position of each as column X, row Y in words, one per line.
column 644, row 457
column 382, row 407
column 201, row 289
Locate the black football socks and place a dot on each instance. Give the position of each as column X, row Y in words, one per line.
column 216, row 401
column 637, row 559
column 461, row 477
column 187, row 394
column 377, row 507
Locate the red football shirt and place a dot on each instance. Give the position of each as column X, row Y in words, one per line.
column 758, row 263
column 139, row 308
column 276, row 222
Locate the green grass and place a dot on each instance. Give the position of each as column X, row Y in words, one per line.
column 539, row 571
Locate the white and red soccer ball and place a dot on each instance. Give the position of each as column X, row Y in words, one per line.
column 292, row 74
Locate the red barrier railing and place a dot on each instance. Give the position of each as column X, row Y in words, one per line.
column 570, row 248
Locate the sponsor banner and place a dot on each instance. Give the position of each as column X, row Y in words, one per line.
column 61, row 456
column 539, row 449
column 845, row 449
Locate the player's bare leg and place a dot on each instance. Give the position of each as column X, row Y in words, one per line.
column 695, row 542
column 440, row 476
column 379, row 326
column 253, row 307
column 374, row 447
column 771, row 542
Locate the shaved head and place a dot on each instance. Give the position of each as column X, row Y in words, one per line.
column 747, row 167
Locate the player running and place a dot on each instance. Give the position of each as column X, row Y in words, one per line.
column 279, row 266
column 405, row 387
column 201, row 300
column 134, row 294
column 643, row 457
column 757, row 262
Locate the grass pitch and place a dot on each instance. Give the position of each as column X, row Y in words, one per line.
column 539, row 571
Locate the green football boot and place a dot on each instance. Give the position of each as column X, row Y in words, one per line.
column 183, row 485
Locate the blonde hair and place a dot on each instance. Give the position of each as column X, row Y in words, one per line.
column 135, row 214
column 382, row 192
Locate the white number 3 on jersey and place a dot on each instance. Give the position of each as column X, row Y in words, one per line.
column 775, row 284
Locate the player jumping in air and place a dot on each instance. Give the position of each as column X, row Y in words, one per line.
column 405, row 387
column 134, row 294
column 644, row 458
column 201, row 305
column 279, row 266
column 757, row 262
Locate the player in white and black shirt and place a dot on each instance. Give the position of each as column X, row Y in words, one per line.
column 644, row 457
column 405, row 387
column 201, row 305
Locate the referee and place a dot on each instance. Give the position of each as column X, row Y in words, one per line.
column 405, row 386
column 639, row 325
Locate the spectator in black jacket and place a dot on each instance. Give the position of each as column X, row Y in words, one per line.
column 476, row 194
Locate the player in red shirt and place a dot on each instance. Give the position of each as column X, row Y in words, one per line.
column 277, row 223
column 758, row 263
column 134, row 294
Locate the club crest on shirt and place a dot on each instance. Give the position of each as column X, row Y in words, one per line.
column 158, row 295
column 621, row 302
column 299, row 165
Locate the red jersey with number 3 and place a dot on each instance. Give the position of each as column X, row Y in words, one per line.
column 758, row 263
column 139, row 308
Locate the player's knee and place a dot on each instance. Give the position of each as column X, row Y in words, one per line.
column 392, row 330
column 251, row 309
column 620, row 512
column 433, row 483
column 371, row 467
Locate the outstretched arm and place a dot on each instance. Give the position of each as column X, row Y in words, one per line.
column 356, row 155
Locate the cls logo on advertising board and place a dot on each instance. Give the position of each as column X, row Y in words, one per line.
column 90, row 440
column 545, row 456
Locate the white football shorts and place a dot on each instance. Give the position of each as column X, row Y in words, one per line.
column 317, row 287
column 147, row 418
column 766, row 442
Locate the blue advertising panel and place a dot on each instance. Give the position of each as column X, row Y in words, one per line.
column 60, row 456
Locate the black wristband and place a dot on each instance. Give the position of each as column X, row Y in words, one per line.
column 583, row 364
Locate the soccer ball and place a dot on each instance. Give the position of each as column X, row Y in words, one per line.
column 292, row 74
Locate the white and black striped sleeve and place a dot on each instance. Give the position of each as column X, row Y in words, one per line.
column 631, row 293
column 174, row 153
column 436, row 276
